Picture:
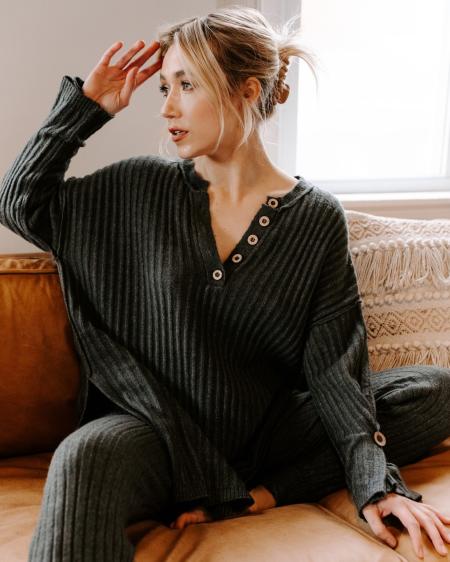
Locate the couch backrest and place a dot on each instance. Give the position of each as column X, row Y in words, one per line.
column 39, row 370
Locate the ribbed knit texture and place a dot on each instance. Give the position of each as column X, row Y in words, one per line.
column 195, row 347
column 102, row 477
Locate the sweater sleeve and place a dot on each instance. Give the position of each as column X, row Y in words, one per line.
column 30, row 192
column 336, row 366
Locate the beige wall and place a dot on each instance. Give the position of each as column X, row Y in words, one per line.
column 43, row 40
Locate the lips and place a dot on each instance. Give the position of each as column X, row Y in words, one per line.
column 178, row 136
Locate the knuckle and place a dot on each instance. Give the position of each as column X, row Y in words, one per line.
column 381, row 534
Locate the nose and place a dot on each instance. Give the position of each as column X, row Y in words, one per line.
column 169, row 108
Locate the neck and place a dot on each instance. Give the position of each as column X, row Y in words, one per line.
column 244, row 172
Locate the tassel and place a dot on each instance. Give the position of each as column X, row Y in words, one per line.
column 399, row 264
column 389, row 356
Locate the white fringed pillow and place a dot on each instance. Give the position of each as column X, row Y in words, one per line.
column 403, row 272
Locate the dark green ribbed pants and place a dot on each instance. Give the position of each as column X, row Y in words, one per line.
column 107, row 474
column 114, row 469
column 413, row 409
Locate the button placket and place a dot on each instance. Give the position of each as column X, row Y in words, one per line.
column 219, row 272
column 243, row 250
column 254, row 237
column 216, row 270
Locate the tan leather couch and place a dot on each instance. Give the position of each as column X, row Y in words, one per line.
column 39, row 384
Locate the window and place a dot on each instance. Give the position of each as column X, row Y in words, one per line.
column 380, row 120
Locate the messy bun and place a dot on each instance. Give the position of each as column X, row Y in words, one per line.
column 281, row 90
column 221, row 50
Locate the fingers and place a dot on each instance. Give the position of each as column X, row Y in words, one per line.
column 373, row 517
column 147, row 72
column 109, row 53
column 409, row 520
column 129, row 86
column 413, row 516
column 125, row 59
column 444, row 518
column 429, row 524
column 181, row 521
column 442, row 529
column 145, row 55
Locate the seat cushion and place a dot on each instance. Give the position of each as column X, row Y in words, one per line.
column 429, row 476
column 319, row 532
column 285, row 534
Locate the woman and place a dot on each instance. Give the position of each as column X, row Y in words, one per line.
column 215, row 311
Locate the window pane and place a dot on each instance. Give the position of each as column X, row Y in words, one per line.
column 382, row 106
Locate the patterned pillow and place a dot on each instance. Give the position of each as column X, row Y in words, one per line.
column 403, row 272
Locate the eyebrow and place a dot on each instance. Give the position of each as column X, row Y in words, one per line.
column 175, row 74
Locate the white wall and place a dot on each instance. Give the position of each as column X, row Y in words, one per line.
column 43, row 40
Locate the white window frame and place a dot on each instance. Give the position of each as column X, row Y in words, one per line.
column 400, row 197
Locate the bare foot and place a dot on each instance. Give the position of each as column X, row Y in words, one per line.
column 197, row 515
column 263, row 500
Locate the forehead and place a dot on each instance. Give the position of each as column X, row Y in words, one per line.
column 172, row 66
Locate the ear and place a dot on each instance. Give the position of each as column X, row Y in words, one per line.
column 251, row 89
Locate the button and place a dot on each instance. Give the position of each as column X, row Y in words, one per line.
column 252, row 239
column 380, row 439
column 217, row 274
column 236, row 258
column 273, row 202
column 264, row 220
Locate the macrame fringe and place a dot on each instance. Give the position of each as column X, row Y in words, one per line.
column 396, row 264
column 389, row 356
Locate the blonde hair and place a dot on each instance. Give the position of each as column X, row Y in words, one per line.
column 221, row 50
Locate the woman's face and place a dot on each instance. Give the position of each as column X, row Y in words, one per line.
column 187, row 107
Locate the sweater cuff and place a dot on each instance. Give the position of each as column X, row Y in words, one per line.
column 232, row 503
column 393, row 483
column 74, row 115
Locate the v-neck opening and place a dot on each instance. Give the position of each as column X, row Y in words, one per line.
column 197, row 183
column 251, row 229
column 262, row 223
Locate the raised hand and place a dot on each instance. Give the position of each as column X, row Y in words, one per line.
column 413, row 515
column 111, row 85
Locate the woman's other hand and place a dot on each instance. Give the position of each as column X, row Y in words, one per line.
column 197, row 515
column 413, row 515
column 263, row 500
column 111, row 85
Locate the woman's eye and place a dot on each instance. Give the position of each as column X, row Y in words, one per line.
column 163, row 89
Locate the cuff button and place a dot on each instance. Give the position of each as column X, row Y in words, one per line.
column 380, row 439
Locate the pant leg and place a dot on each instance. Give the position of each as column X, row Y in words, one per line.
column 108, row 473
column 413, row 409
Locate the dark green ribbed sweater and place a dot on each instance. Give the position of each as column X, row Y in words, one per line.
column 198, row 348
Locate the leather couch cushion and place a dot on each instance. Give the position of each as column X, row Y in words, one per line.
column 284, row 534
column 39, row 380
